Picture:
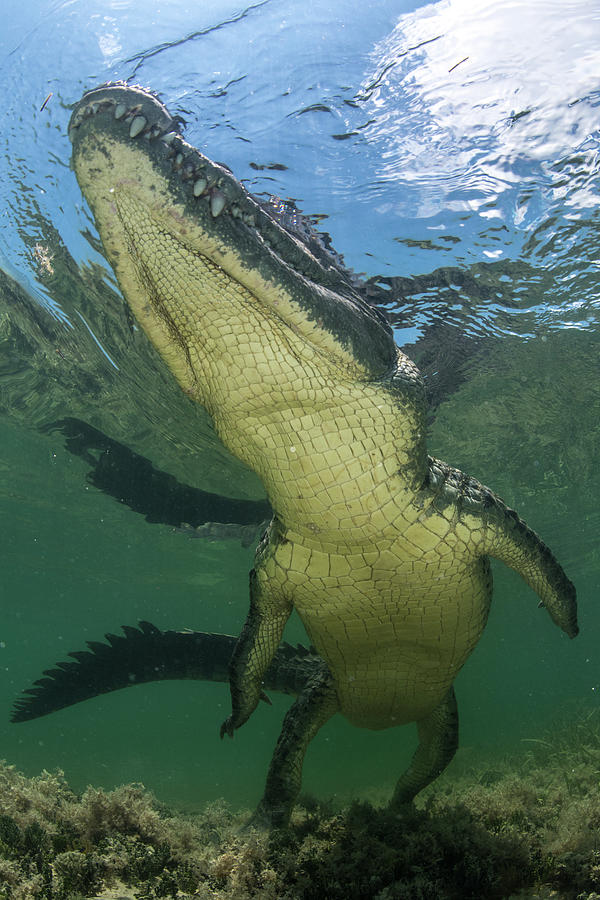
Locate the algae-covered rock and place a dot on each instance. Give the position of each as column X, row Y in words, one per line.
column 527, row 827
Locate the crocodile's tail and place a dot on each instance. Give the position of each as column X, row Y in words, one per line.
column 148, row 654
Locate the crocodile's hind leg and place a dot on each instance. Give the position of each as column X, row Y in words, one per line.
column 438, row 741
column 313, row 707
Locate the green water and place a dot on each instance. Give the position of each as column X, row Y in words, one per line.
column 75, row 563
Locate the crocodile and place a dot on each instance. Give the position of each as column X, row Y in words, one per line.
column 382, row 550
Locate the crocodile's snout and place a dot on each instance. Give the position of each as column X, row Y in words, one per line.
column 123, row 111
column 133, row 163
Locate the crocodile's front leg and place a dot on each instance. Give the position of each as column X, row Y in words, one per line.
column 509, row 539
column 313, row 707
column 254, row 652
column 438, row 741
column 488, row 527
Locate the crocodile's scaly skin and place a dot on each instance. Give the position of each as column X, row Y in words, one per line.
column 382, row 551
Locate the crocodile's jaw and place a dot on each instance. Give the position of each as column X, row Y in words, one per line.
column 156, row 199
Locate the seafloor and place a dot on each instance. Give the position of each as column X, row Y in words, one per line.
column 525, row 827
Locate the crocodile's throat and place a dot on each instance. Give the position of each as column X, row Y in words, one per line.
column 301, row 377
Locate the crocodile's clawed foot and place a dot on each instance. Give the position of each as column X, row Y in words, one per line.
column 227, row 727
column 400, row 808
column 268, row 818
column 232, row 723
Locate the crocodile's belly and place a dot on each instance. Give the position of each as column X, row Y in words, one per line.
column 394, row 641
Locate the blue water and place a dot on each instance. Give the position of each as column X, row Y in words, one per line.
column 426, row 136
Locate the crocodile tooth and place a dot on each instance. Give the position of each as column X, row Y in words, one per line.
column 177, row 164
column 152, row 133
column 132, row 112
column 137, row 126
column 94, row 107
column 236, row 211
column 217, row 203
column 120, row 110
column 200, row 187
column 167, row 138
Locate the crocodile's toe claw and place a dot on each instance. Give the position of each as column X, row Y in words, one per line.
column 227, row 727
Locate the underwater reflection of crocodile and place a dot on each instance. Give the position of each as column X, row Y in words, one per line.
column 382, row 550
column 134, row 481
